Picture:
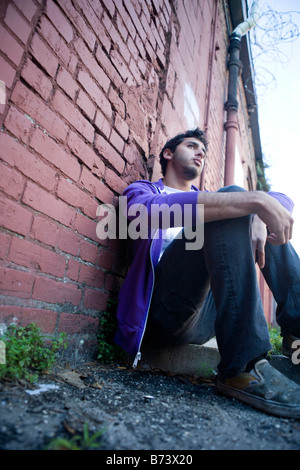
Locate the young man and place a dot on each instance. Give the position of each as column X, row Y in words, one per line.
column 175, row 294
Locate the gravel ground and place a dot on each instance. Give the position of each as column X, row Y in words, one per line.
column 135, row 410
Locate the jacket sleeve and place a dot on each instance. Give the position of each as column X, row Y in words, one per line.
column 162, row 210
column 283, row 199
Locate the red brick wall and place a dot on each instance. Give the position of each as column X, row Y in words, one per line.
column 93, row 89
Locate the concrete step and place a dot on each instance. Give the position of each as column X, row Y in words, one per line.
column 197, row 361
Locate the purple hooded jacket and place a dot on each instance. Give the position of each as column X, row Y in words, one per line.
column 136, row 291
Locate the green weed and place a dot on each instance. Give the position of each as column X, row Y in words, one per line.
column 108, row 350
column 276, row 340
column 77, row 442
column 28, row 352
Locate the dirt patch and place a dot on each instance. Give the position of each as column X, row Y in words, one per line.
column 135, row 410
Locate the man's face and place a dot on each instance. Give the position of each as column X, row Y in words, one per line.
column 188, row 158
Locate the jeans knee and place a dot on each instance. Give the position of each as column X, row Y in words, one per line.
column 231, row 189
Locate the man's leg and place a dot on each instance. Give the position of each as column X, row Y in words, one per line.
column 184, row 311
column 282, row 274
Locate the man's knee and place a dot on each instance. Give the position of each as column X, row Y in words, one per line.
column 231, row 189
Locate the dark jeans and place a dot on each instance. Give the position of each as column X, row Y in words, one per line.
column 214, row 292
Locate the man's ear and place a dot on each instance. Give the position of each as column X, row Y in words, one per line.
column 168, row 154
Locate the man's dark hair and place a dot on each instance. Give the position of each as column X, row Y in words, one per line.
column 172, row 144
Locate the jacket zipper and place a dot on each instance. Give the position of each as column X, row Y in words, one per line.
column 138, row 354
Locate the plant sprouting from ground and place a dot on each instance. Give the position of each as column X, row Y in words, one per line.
column 77, row 442
column 109, row 351
column 28, row 352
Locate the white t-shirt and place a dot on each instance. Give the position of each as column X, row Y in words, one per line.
column 171, row 232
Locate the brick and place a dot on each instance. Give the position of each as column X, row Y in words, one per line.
column 37, row 79
column 97, row 7
column 121, row 28
column 18, row 124
column 15, row 283
column 96, row 187
column 5, row 240
column 78, row 22
column 31, row 255
column 122, row 68
column 93, row 14
column 110, row 7
column 19, row 157
column 57, row 44
column 17, row 24
column 136, row 21
column 27, row 8
column 68, row 241
column 88, row 252
column 59, row 20
column 10, row 47
column 127, row 20
column 92, row 66
column 109, row 153
column 55, row 154
column 112, row 283
column 102, row 123
column 34, row 107
column 7, row 72
column 45, row 230
column 95, row 92
column 91, row 276
column 108, row 67
column 117, row 141
column 54, row 292
column 14, row 217
column 66, row 82
column 114, row 181
column 86, row 227
column 78, row 324
column 133, row 49
column 116, row 102
column 106, row 259
column 116, row 38
column 86, row 154
column 75, row 197
column 87, row 106
column 135, row 70
column 121, row 127
column 72, row 272
column 44, row 55
column 11, row 182
column 67, row 109
column 46, row 203
column 95, row 300
column 22, row 316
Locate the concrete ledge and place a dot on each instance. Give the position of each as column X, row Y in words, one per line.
column 286, row 367
column 189, row 359
column 197, row 361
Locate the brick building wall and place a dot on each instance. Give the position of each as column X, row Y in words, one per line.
column 93, row 88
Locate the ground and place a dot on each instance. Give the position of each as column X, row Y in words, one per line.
column 135, row 410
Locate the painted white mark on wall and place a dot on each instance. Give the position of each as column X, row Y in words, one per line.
column 191, row 109
column 2, row 92
column 239, row 177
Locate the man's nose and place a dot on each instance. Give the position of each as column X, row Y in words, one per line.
column 200, row 153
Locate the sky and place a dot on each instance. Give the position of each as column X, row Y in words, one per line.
column 279, row 107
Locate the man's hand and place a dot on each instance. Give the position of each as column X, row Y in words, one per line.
column 277, row 219
column 259, row 238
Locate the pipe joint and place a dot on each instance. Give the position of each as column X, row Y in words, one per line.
column 238, row 63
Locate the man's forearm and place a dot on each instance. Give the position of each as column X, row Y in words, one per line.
column 219, row 206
